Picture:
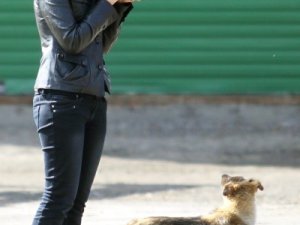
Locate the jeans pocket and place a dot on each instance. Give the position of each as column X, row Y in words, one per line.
column 36, row 115
column 60, row 104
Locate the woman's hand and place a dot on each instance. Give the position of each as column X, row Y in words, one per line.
column 112, row 1
column 126, row 1
column 120, row 1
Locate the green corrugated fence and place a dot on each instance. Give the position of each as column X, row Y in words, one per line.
column 178, row 47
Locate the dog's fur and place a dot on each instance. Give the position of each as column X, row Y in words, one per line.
column 238, row 207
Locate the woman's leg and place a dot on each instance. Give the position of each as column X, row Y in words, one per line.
column 95, row 131
column 61, row 128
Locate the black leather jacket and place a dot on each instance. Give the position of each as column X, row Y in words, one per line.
column 74, row 36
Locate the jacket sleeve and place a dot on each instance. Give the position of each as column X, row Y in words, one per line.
column 74, row 36
column 110, row 34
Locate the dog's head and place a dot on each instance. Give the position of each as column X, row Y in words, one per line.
column 238, row 187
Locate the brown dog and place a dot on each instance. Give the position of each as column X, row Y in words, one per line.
column 238, row 207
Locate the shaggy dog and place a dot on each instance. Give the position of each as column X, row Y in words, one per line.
column 238, row 206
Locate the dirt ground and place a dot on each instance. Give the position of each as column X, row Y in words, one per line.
column 165, row 160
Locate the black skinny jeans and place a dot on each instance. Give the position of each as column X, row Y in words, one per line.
column 71, row 130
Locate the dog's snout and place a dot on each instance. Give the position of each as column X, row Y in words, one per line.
column 260, row 187
column 257, row 184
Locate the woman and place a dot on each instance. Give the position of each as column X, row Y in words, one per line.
column 69, row 107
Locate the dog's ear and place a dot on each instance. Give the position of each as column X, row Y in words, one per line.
column 229, row 190
column 225, row 179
